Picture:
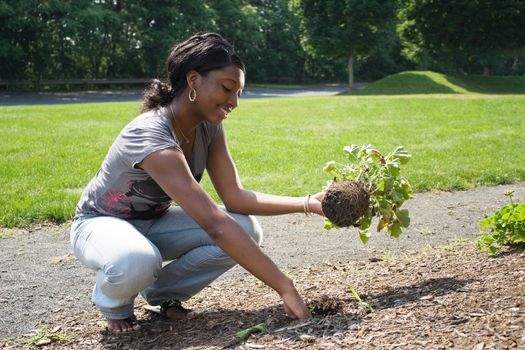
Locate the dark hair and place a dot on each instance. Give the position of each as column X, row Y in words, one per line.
column 203, row 52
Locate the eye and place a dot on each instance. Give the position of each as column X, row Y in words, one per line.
column 226, row 89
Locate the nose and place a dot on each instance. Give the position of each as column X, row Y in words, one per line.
column 233, row 101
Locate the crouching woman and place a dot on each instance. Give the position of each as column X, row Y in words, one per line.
column 125, row 225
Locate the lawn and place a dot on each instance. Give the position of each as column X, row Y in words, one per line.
column 458, row 141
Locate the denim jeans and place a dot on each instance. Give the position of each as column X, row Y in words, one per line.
column 128, row 257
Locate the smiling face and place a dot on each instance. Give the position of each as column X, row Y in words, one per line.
column 218, row 92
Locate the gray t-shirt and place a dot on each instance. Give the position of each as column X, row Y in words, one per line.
column 120, row 188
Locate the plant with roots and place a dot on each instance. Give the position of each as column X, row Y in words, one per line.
column 369, row 185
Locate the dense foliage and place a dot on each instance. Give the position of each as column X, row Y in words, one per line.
column 130, row 39
column 465, row 36
column 344, row 29
column 280, row 40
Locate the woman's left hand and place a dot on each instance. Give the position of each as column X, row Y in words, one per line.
column 315, row 203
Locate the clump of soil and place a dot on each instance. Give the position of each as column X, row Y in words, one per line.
column 325, row 305
column 346, row 202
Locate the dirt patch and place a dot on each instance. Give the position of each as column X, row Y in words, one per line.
column 428, row 289
column 449, row 297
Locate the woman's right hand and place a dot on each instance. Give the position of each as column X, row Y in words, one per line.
column 315, row 203
column 294, row 305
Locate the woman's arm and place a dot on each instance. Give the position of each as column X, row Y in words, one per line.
column 169, row 169
column 226, row 181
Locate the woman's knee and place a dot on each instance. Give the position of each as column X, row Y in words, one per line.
column 251, row 226
column 133, row 271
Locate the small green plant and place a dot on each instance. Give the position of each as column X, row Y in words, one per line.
column 44, row 336
column 245, row 334
column 361, row 301
column 506, row 227
column 425, row 231
column 388, row 257
column 6, row 233
column 453, row 244
column 381, row 177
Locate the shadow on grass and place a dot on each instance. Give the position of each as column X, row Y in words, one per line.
column 493, row 85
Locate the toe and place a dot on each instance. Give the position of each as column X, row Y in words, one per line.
column 122, row 326
column 114, row 328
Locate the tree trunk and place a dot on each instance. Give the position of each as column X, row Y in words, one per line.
column 486, row 71
column 351, row 72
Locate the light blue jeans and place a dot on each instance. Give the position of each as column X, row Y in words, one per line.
column 128, row 255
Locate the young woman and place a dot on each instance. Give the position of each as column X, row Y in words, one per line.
column 125, row 225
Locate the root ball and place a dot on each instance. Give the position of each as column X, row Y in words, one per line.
column 346, row 202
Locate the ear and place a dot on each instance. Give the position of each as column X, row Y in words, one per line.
column 193, row 78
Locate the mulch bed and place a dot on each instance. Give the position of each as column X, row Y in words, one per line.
column 439, row 298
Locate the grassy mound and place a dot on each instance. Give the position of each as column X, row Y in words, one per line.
column 426, row 82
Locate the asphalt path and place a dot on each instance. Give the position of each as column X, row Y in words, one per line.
column 8, row 98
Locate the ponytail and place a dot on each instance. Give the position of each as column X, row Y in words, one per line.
column 158, row 94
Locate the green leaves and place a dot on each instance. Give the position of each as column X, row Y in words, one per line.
column 245, row 334
column 403, row 217
column 399, row 154
column 353, row 151
column 506, row 227
column 389, row 190
column 361, row 301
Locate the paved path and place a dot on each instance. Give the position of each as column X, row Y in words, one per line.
column 43, row 98
column 437, row 219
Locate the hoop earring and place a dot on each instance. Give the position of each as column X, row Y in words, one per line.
column 193, row 95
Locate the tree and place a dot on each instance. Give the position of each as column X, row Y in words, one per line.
column 239, row 23
column 25, row 40
column 167, row 22
column 459, row 34
column 385, row 58
column 99, row 27
column 343, row 28
column 283, row 58
column 85, row 39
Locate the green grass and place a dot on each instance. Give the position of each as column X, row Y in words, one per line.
column 419, row 82
column 49, row 153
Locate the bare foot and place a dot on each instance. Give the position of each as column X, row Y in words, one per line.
column 123, row 326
